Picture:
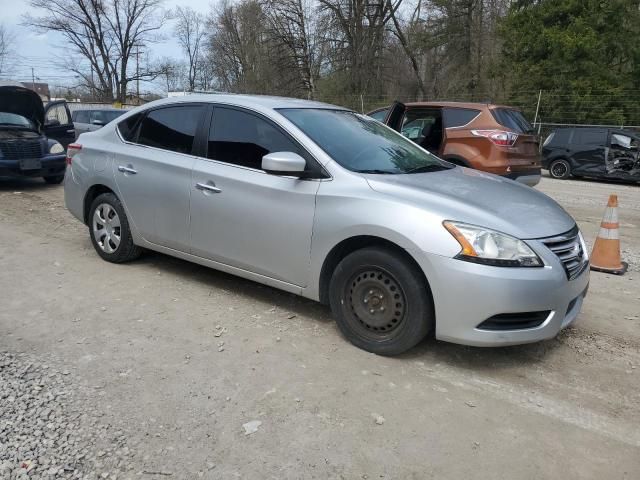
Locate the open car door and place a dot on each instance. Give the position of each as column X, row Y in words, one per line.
column 395, row 115
column 58, row 124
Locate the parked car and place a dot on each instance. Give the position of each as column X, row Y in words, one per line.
column 592, row 152
column 325, row 203
column 90, row 120
column 32, row 138
column 492, row 138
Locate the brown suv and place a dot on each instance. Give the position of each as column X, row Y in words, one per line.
column 493, row 138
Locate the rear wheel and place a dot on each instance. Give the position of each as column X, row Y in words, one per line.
column 109, row 230
column 560, row 169
column 54, row 180
column 381, row 301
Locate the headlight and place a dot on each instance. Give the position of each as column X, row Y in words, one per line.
column 481, row 245
column 56, row 148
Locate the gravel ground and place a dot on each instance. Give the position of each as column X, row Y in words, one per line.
column 45, row 430
column 163, row 369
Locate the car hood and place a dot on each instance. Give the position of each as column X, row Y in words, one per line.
column 478, row 198
column 21, row 101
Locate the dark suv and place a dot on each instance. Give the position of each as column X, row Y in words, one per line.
column 592, row 152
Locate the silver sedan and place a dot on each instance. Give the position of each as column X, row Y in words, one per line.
column 325, row 203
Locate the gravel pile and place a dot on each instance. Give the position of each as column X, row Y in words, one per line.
column 47, row 431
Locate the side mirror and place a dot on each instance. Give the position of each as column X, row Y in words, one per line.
column 284, row 163
column 99, row 123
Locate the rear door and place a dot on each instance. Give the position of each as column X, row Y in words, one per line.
column 153, row 172
column 589, row 151
column 58, row 124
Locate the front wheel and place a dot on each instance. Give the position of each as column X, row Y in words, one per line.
column 109, row 230
column 560, row 169
column 381, row 301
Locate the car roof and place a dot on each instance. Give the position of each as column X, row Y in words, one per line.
column 474, row 105
column 241, row 100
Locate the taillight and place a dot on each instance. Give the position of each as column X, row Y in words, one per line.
column 72, row 150
column 498, row 137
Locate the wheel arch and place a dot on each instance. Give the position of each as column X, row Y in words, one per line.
column 90, row 196
column 350, row 245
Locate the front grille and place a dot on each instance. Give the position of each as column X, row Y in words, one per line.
column 514, row 321
column 20, row 149
column 568, row 249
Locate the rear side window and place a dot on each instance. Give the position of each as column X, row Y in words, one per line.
column 558, row 137
column 379, row 115
column 171, row 128
column 128, row 128
column 589, row 136
column 113, row 114
column 512, row 119
column 241, row 138
column 457, row 117
column 81, row 116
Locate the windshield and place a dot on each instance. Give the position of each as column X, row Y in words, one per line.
column 14, row 120
column 362, row 144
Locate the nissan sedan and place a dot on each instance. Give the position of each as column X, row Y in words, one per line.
column 322, row 202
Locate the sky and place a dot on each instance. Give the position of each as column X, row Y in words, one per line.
column 42, row 52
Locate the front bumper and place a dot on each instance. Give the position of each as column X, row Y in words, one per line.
column 50, row 165
column 466, row 294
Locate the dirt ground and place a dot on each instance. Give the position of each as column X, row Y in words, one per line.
column 143, row 342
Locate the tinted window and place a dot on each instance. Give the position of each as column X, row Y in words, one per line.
column 361, row 144
column 113, row 114
column 512, row 119
column 129, row 127
column 457, row 117
column 379, row 115
column 171, row 128
column 558, row 137
column 589, row 136
column 241, row 138
column 57, row 113
column 81, row 116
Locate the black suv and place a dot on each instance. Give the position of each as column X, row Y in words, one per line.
column 592, row 152
column 33, row 137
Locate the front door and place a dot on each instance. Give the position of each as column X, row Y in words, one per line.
column 57, row 123
column 244, row 217
column 153, row 173
column 589, row 147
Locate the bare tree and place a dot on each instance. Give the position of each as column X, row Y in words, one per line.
column 190, row 32
column 172, row 73
column 292, row 28
column 107, row 34
column 6, row 42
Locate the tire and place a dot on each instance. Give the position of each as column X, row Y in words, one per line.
column 560, row 169
column 54, row 180
column 381, row 280
column 111, row 238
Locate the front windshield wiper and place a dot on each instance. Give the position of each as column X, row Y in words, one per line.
column 428, row 168
column 377, row 171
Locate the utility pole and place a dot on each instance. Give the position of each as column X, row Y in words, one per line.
column 138, row 73
column 33, row 79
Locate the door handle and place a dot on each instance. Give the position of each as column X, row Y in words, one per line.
column 124, row 169
column 71, row 131
column 208, row 187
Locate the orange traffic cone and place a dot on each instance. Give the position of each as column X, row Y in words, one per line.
column 605, row 256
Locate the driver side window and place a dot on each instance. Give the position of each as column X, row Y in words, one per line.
column 58, row 114
column 241, row 138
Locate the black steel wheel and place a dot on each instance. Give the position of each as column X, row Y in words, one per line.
column 381, row 301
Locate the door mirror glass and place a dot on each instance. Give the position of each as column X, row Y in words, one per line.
column 283, row 163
